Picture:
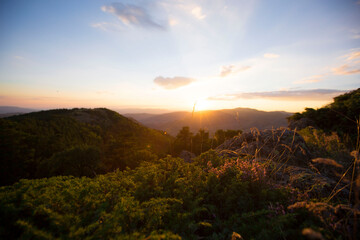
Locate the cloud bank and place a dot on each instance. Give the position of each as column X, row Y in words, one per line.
column 130, row 14
column 172, row 83
column 294, row 95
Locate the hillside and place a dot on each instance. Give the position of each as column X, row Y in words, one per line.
column 341, row 116
column 236, row 119
column 73, row 142
column 260, row 185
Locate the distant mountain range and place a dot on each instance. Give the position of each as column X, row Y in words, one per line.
column 212, row 120
column 7, row 111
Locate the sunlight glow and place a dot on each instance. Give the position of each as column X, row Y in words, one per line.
column 202, row 105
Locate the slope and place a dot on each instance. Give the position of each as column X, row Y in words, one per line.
column 73, row 142
column 341, row 116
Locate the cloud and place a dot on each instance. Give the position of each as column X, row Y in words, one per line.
column 312, row 79
column 173, row 83
column 351, row 64
column 197, row 12
column 345, row 70
column 294, row 95
column 271, row 55
column 130, row 14
column 232, row 69
column 353, row 55
column 106, row 26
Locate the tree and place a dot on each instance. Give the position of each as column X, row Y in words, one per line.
column 183, row 140
column 221, row 136
column 77, row 161
column 201, row 142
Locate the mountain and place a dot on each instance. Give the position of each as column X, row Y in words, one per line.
column 141, row 110
column 78, row 142
column 237, row 119
column 7, row 111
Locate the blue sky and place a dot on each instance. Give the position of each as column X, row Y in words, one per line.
column 264, row 54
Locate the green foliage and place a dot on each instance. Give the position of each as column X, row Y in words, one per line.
column 89, row 141
column 209, row 157
column 339, row 116
column 183, row 140
column 221, row 136
column 322, row 144
column 77, row 161
column 160, row 199
column 201, row 141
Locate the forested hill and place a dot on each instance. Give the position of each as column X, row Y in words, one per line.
column 57, row 142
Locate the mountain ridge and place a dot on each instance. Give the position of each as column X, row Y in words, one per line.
column 212, row 120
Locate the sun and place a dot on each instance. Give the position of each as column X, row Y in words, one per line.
column 202, row 105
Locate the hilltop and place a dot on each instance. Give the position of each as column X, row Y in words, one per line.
column 35, row 143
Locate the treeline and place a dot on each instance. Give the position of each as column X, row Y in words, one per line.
column 341, row 116
column 201, row 141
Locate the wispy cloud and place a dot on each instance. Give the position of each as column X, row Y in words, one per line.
column 173, row 83
column 271, row 55
column 107, row 26
column 353, row 55
column 345, row 70
column 351, row 64
column 130, row 14
column 294, row 95
column 312, row 79
column 197, row 12
column 232, row 69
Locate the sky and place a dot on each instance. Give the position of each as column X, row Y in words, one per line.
column 171, row 54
